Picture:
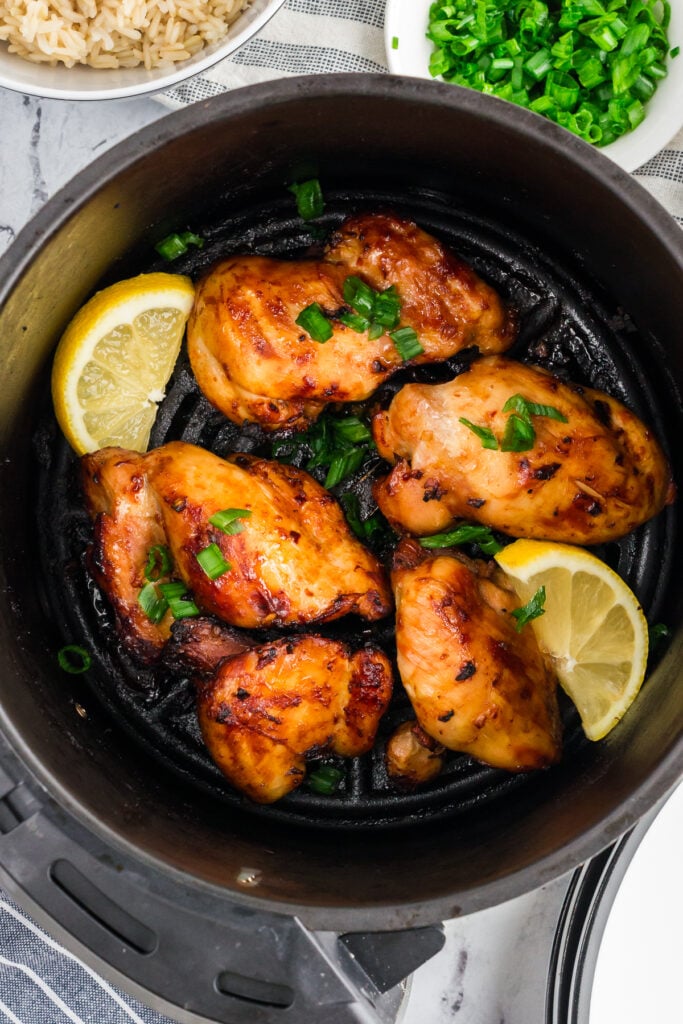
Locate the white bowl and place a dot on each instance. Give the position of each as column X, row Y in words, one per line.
column 85, row 83
column 407, row 21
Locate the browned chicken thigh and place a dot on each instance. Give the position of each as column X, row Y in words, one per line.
column 254, row 362
column 475, row 683
column 294, row 559
column 264, row 711
column 590, row 473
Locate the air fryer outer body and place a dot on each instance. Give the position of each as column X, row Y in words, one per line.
column 555, row 192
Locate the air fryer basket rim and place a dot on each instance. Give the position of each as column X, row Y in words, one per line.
column 76, row 195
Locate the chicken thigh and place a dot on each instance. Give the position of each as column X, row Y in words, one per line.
column 290, row 558
column 589, row 471
column 265, row 711
column 254, row 362
column 475, row 683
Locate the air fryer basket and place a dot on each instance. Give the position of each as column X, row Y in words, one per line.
column 595, row 267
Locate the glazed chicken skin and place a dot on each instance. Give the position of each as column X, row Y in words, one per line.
column 476, row 684
column 588, row 480
column 412, row 757
column 295, row 560
column 253, row 362
column 263, row 712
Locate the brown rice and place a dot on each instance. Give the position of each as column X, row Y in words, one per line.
column 114, row 33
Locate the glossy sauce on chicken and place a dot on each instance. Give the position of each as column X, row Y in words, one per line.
column 587, row 478
column 254, row 362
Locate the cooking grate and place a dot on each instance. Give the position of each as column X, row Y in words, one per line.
column 566, row 326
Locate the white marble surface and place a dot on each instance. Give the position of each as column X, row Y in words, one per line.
column 481, row 977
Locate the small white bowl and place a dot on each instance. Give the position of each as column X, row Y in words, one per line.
column 85, row 83
column 407, row 21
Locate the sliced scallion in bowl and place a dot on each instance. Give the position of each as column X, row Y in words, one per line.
column 589, row 65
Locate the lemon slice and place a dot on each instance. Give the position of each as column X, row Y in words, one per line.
column 592, row 628
column 115, row 358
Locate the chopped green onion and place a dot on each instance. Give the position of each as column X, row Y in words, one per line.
column 359, row 295
column 309, row 198
column 344, row 465
column 394, row 42
column 315, row 323
column 228, row 520
column 177, row 244
column 387, row 309
column 154, row 606
column 350, row 428
column 485, row 434
column 159, row 563
column 657, row 634
column 519, row 435
column 675, row 52
column 466, row 533
column 557, row 58
column 212, row 562
column 181, row 606
column 406, row 343
column 74, row 659
column 365, row 529
column 531, row 610
column 325, row 780
column 355, row 321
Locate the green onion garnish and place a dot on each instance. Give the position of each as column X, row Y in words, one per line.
column 394, row 42
column 338, row 444
column 355, row 321
column 350, row 428
column 406, row 343
column 212, row 562
column 519, row 435
column 466, row 533
column 315, row 323
column 527, row 409
column 153, row 605
column 228, row 520
column 177, row 244
column 159, row 563
column 387, row 309
column 175, row 594
column 309, row 198
column 360, row 296
column 531, row 610
column 74, row 659
column 325, row 780
column 344, row 464
column 657, row 634
column 588, row 65
column 485, row 434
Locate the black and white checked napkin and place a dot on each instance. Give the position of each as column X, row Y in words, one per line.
column 40, row 982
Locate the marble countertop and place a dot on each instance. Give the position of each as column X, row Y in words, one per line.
column 497, row 960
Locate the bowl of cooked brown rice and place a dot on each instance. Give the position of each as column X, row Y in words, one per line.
column 108, row 49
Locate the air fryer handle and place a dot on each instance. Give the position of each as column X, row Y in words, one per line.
column 189, row 951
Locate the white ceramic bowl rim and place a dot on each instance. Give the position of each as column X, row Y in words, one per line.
column 407, row 20
column 86, row 83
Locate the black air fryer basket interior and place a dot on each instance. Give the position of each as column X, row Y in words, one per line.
column 595, row 268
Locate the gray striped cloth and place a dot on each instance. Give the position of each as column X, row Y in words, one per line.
column 40, row 982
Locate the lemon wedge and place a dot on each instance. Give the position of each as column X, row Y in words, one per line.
column 115, row 359
column 593, row 628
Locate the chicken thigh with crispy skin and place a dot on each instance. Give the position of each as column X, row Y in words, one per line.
column 264, row 711
column 588, row 480
column 253, row 362
column 475, row 683
column 295, row 560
